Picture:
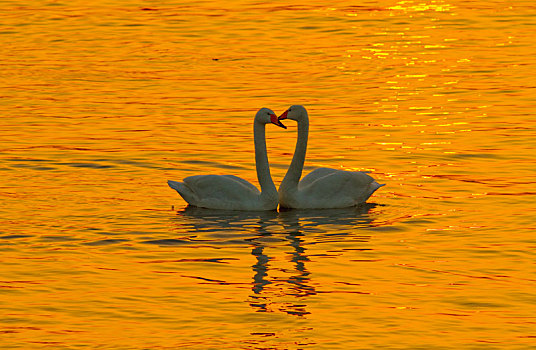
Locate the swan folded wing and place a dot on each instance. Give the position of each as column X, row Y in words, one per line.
column 226, row 188
column 244, row 182
column 315, row 175
column 339, row 188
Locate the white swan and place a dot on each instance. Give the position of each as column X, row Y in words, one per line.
column 323, row 187
column 229, row 191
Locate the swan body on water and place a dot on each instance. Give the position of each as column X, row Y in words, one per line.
column 322, row 188
column 229, row 191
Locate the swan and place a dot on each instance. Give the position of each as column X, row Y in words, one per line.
column 323, row 188
column 229, row 191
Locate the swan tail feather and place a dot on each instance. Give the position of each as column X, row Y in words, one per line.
column 186, row 193
column 373, row 187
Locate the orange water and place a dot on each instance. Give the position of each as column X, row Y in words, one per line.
column 102, row 102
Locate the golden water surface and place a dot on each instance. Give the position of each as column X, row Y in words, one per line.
column 103, row 101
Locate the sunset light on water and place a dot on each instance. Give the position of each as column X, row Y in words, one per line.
column 103, row 102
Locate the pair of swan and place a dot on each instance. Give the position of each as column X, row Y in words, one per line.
column 323, row 188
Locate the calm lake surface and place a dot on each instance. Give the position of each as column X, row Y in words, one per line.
column 102, row 102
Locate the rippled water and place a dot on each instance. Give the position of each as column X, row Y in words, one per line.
column 102, row 103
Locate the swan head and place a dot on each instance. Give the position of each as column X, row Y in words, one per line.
column 266, row 116
column 295, row 112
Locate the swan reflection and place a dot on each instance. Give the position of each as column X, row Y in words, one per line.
column 266, row 230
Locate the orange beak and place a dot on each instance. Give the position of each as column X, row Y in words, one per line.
column 275, row 120
column 283, row 116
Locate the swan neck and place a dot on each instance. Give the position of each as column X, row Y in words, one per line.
column 295, row 169
column 261, row 160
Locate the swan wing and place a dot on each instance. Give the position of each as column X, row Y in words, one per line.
column 218, row 192
column 314, row 175
column 242, row 181
column 338, row 189
column 227, row 187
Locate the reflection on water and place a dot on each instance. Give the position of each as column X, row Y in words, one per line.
column 287, row 227
column 304, row 220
